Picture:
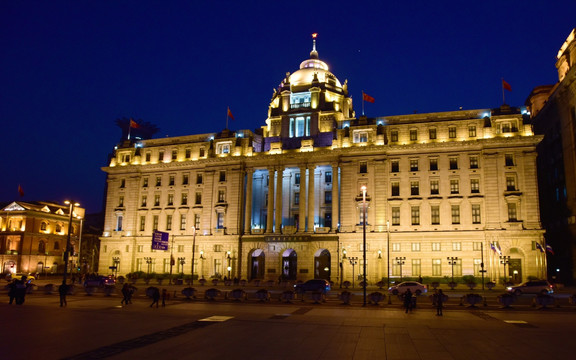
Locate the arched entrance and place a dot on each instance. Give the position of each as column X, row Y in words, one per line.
column 322, row 264
column 515, row 266
column 289, row 264
column 257, row 262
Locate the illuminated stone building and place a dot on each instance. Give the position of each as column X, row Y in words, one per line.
column 33, row 236
column 553, row 108
column 285, row 200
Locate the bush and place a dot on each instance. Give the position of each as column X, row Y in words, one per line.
column 469, row 279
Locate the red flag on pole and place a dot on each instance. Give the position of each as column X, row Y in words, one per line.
column 134, row 124
column 20, row 191
column 230, row 114
column 368, row 98
column 506, row 86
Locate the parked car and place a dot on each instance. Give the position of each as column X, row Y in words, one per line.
column 19, row 276
column 319, row 285
column 532, row 287
column 99, row 281
column 414, row 286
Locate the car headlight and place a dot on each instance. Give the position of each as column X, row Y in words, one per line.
column 509, row 288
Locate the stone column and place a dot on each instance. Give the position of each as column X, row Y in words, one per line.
column 270, row 205
column 248, row 211
column 335, row 198
column 278, row 215
column 311, row 203
column 302, row 207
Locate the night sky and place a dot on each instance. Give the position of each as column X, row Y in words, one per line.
column 69, row 69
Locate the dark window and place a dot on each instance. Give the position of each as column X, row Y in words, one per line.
column 453, row 163
column 328, row 197
column 363, row 168
column 394, row 166
column 222, row 176
column 328, row 177
column 395, row 189
column 432, row 134
column 433, row 164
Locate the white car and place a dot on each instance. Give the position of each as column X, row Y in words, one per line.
column 414, row 286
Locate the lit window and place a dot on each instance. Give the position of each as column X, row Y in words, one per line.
column 473, row 162
column 476, row 214
column 395, row 188
column 512, row 215
column 435, row 215
column 510, row 183
column 432, row 133
column 395, row 247
column 220, row 224
column 395, row 216
column 182, row 222
column 436, row 267
column 414, row 188
column 413, row 135
column 168, row 222
column 394, row 136
column 456, row 246
column 434, row 187
column 436, row 246
column 413, row 164
column 415, row 246
column 474, row 186
column 142, row 223
column 328, row 197
column 453, row 163
column 472, row 131
column 170, row 199
column 360, row 137
column 452, row 132
column 415, row 214
column 455, row 214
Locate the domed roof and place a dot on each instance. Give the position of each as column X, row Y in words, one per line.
column 310, row 67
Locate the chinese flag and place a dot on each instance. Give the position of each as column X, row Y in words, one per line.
column 368, row 98
column 134, row 124
column 20, row 191
column 506, row 86
column 230, row 114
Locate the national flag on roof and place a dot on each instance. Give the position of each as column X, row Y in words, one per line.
column 134, row 124
column 230, row 114
column 539, row 247
column 368, row 98
column 506, row 85
column 549, row 249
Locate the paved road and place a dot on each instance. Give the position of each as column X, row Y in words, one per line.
column 95, row 327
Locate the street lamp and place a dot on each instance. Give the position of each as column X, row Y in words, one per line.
column 182, row 261
column 364, row 241
column 342, row 267
column 353, row 262
column 388, row 258
column 229, row 268
column 452, row 260
column 400, row 261
column 116, row 262
column 67, row 250
column 193, row 254
column 149, row 262
column 202, row 258
column 505, row 260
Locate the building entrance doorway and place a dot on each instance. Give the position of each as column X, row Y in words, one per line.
column 257, row 264
column 515, row 271
column 322, row 264
column 289, row 264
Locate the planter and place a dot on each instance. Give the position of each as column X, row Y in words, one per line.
column 160, row 281
column 452, row 284
column 544, row 300
column 572, row 299
column 211, row 294
column 242, row 282
column 380, row 284
column 287, row 296
column 121, row 280
column 473, row 299
column 318, row 297
column 490, row 285
column 346, row 284
column 434, row 284
column 215, row 282
column 263, row 295
column 270, row 283
column 471, row 286
column 506, row 300
column 189, row 292
column 151, row 290
column 237, row 294
column 257, row 282
column 345, row 297
column 376, row 297
column 202, row 282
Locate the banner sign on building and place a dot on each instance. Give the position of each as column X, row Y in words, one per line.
column 160, row 240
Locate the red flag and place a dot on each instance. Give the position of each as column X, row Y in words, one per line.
column 368, row 98
column 506, row 86
column 134, row 124
column 20, row 191
column 230, row 114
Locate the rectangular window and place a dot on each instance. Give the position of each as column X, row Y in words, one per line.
column 148, row 156
column 453, row 163
column 474, row 186
column 395, row 188
column 510, row 183
column 473, row 162
column 158, row 181
column 452, row 132
column 432, row 133
column 413, row 164
column 296, row 179
column 174, row 154
column 122, row 183
column 416, row 247
column 155, row 222
column 156, row 199
column 180, row 248
column 477, row 246
column 296, row 198
column 362, row 212
column 118, row 223
column 142, row 223
column 477, row 267
column 413, row 135
column 363, row 168
column 476, row 214
column 188, row 154
column 145, row 182
column 170, row 199
column 328, row 197
column 168, row 222
column 472, row 131
column 220, row 219
column 456, row 246
column 394, row 136
column 185, row 179
column 328, row 177
column 394, row 166
column 415, row 215
column 436, row 246
column 166, row 265
column 197, row 222
column 414, row 188
column 455, row 214
column 198, row 178
column 139, row 264
column 222, row 176
column 395, row 216
column 182, row 221
column 509, row 159
column 416, row 267
column 454, row 186
column 396, row 247
column 198, row 200
column 457, row 268
column 184, row 199
column 433, row 164
column 360, row 137
column 434, row 187
column 202, row 153
column 140, row 248
column 435, row 215
column 512, row 215
column 161, row 156
column 120, row 201
column 436, row 267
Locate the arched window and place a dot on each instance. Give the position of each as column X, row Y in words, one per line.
column 58, row 228
column 43, row 226
column 42, row 247
column 56, row 245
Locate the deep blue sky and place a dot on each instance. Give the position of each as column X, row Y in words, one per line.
column 69, row 69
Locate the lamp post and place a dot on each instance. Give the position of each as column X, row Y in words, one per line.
column 229, row 268
column 364, row 242
column 505, row 260
column 202, row 267
column 452, row 260
column 400, row 260
column 116, row 262
column 149, row 263
column 482, row 270
column 342, row 267
column 193, row 254
column 182, row 261
column 353, row 262
column 71, row 205
column 388, row 258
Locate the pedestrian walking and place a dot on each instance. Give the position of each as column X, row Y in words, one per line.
column 125, row 294
column 408, row 301
column 63, row 291
column 20, row 291
column 12, row 291
column 155, row 296
column 439, row 302
column 164, row 297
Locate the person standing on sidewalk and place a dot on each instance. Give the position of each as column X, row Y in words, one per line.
column 439, row 302
column 408, row 300
column 63, row 291
column 164, row 297
column 155, row 296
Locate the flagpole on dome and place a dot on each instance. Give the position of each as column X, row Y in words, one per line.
column 362, row 102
